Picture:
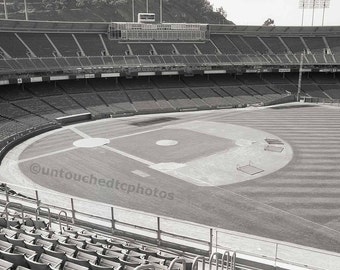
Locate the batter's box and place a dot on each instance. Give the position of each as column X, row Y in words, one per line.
column 250, row 169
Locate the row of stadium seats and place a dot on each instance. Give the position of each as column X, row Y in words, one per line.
column 30, row 243
column 22, row 45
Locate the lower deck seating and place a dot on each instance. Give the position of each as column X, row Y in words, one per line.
column 332, row 90
column 143, row 101
column 35, row 105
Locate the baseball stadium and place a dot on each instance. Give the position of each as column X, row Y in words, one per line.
column 161, row 146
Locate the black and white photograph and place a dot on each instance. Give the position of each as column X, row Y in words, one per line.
column 170, row 134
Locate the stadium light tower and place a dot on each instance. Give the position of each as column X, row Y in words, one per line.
column 25, row 6
column 133, row 10
column 314, row 4
column 147, row 6
column 161, row 11
column 300, row 77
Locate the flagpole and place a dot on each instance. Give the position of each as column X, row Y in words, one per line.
column 303, row 12
column 313, row 12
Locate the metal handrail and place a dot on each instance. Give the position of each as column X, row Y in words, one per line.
column 217, row 255
column 196, row 261
column 233, row 261
column 59, row 220
column 225, row 259
column 19, row 205
column 49, row 214
column 178, row 260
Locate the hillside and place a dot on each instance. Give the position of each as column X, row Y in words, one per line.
column 191, row 11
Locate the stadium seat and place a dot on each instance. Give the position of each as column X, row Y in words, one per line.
column 5, row 246
column 18, row 259
column 5, row 265
column 108, row 263
column 73, row 266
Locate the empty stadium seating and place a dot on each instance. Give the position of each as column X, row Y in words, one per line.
column 30, row 243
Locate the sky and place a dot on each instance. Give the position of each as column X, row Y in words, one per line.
column 283, row 12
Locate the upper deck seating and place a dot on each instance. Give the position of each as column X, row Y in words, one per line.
column 334, row 44
column 224, row 44
column 294, row 44
column 275, row 44
column 206, row 47
column 141, row 48
column 256, row 44
column 90, row 43
column 12, row 45
column 38, row 43
column 315, row 44
column 115, row 48
column 65, row 44
column 164, row 48
column 240, row 44
column 185, row 48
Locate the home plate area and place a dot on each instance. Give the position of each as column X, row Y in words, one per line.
column 208, row 153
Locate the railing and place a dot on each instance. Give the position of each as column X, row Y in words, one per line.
column 10, row 141
column 163, row 230
column 328, row 101
column 132, row 63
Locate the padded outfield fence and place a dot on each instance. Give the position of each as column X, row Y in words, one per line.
column 170, row 232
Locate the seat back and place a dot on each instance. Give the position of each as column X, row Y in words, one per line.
column 5, row 246
column 5, row 265
column 15, row 259
column 38, row 265
column 48, row 259
column 73, row 266
column 37, row 248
